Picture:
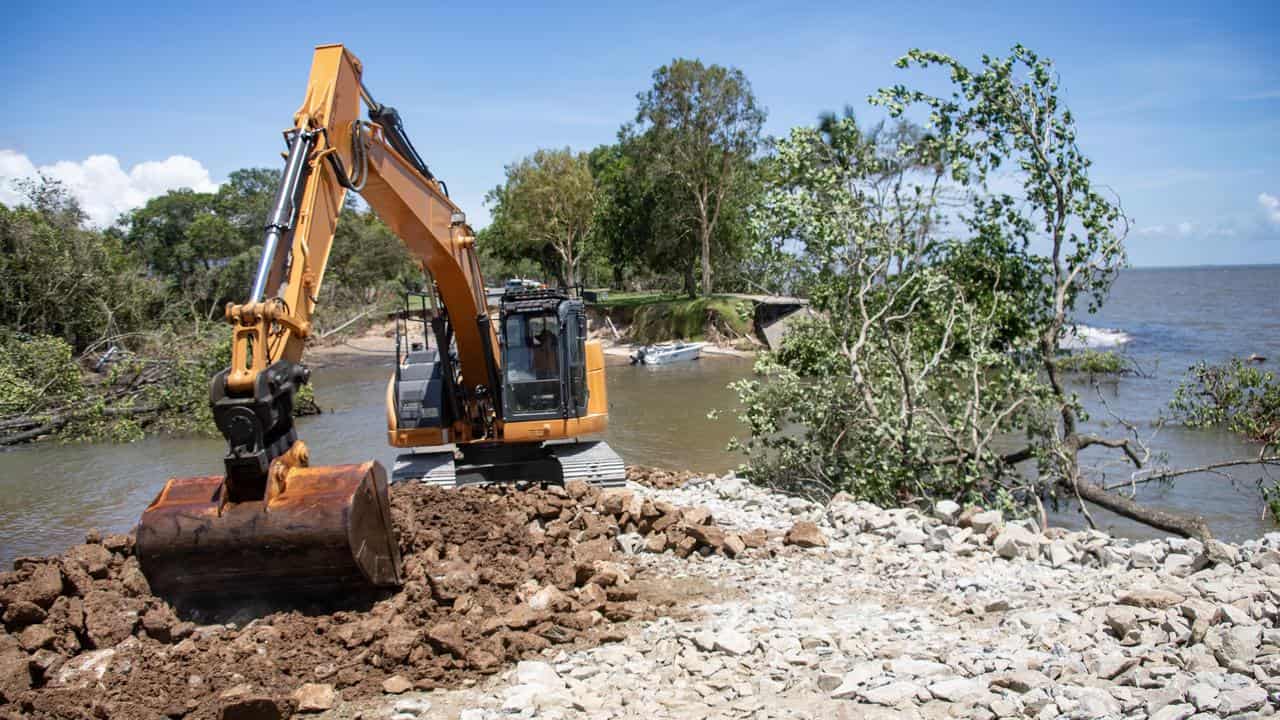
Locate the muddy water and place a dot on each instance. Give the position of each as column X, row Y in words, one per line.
column 51, row 493
column 1163, row 319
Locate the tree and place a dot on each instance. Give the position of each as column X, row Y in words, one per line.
column 59, row 278
column 929, row 347
column 545, row 209
column 633, row 227
column 206, row 245
column 893, row 390
column 365, row 257
column 702, row 126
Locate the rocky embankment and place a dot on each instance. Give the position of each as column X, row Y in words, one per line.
column 852, row 611
column 706, row 598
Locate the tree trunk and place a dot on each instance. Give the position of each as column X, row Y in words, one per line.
column 706, row 261
column 1184, row 525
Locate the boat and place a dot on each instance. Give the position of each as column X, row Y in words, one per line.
column 666, row 353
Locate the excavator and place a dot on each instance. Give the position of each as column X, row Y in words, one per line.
column 483, row 396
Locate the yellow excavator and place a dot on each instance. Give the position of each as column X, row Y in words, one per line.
column 480, row 397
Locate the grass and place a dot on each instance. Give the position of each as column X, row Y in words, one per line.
column 658, row 317
column 620, row 300
column 1095, row 362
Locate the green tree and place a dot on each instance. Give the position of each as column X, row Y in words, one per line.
column 58, row 278
column 633, row 227
column 367, row 257
column 206, row 245
column 701, row 127
column 893, row 390
column 545, row 210
column 932, row 366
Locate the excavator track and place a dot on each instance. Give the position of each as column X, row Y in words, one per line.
column 592, row 461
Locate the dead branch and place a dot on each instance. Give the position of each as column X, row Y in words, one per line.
column 1268, row 461
column 1182, row 524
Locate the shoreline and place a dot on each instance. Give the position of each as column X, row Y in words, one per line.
column 375, row 347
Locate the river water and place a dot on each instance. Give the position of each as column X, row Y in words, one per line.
column 1164, row 319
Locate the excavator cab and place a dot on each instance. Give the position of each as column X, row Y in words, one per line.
column 544, row 367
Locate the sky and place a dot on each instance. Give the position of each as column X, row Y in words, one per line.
column 1177, row 104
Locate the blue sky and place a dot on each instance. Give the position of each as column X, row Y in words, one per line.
column 1178, row 104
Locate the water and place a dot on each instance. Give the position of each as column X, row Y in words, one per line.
column 50, row 493
column 1173, row 318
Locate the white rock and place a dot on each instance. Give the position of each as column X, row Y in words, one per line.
column 413, row 706
column 947, row 511
column 910, row 535
column 1174, row 712
column 1204, row 696
column 956, row 689
column 911, row 667
column 1234, row 646
column 537, row 672
column 733, row 642
column 983, row 520
column 1015, row 541
column 893, row 694
column 84, row 668
column 1059, row 553
column 1146, row 555
column 1242, row 700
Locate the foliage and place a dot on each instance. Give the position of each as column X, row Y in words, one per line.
column 60, row 279
column 145, row 291
column 545, row 210
column 35, row 371
column 1007, row 119
column 937, row 329
column 1236, row 395
column 892, row 390
column 206, row 245
column 1095, row 362
column 698, row 128
column 689, row 319
column 366, row 262
column 810, row 349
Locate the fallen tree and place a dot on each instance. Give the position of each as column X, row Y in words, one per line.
column 933, row 368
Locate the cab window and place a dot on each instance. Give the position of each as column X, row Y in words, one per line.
column 532, row 363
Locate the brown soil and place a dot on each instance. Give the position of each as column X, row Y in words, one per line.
column 492, row 575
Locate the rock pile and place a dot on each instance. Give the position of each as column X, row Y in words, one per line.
column 492, row 575
column 903, row 614
column 791, row 609
column 658, row 478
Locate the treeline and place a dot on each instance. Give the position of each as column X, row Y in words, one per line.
column 665, row 207
column 110, row 332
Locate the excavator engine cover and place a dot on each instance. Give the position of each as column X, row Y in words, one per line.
column 324, row 529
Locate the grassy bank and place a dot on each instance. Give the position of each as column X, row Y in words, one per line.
column 660, row 317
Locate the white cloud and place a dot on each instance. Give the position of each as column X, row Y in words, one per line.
column 1183, row 228
column 1270, row 207
column 102, row 186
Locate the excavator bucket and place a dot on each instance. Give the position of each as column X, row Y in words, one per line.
column 324, row 529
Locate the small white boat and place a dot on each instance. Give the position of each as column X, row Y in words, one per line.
column 666, row 353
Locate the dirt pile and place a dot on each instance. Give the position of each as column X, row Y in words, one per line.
column 492, row 575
